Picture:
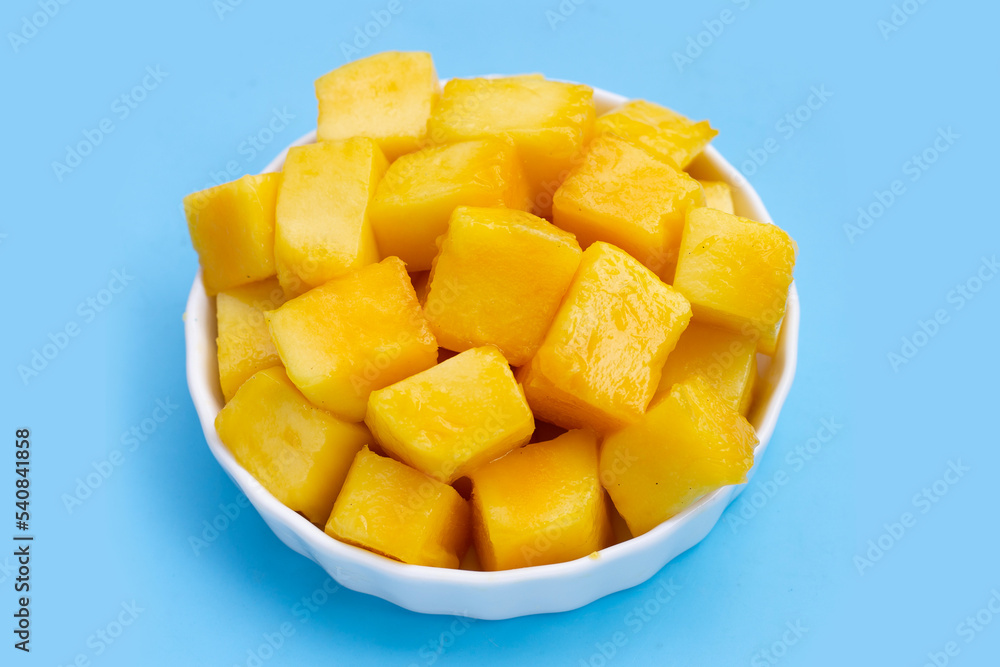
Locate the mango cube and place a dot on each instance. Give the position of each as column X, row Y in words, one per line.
column 454, row 417
column 419, row 192
column 352, row 335
column 601, row 360
column 718, row 195
column 232, row 230
column 663, row 133
column 645, row 218
column 736, row 273
column 297, row 451
column 551, row 122
column 386, row 97
column 499, row 279
column 725, row 359
column 689, row 443
column 540, row 504
column 244, row 343
column 392, row 509
column 323, row 228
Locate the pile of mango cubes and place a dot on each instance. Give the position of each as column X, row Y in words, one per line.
column 480, row 326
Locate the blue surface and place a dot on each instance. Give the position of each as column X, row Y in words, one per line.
column 793, row 564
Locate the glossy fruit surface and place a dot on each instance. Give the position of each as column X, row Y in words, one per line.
column 663, row 133
column 540, row 504
column 689, row 443
column 603, row 355
column 352, row 335
column 297, row 451
column 399, row 512
column 232, row 230
column 551, row 122
column 498, row 279
column 454, row 417
column 244, row 342
column 725, row 358
column 419, row 192
column 645, row 219
column 322, row 227
column 386, row 97
column 736, row 273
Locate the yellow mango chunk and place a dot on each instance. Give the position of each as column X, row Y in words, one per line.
column 419, row 192
column 551, row 122
column 386, row 97
column 297, row 451
column 736, row 273
column 499, row 279
column 664, row 134
column 352, row 335
column 244, row 342
column 602, row 357
column 322, row 227
column 392, row 509
column 621, row 195
column 718, row 195
column 232, row 230
column 689, row 443
column 454, row 417
column 725, row 359
column 540, row 504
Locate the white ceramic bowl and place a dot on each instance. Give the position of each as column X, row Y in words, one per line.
column 497, row 595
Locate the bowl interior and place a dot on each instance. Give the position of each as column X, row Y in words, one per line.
column 494, row 595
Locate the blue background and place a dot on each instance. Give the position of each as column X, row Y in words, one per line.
column 793, row 563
